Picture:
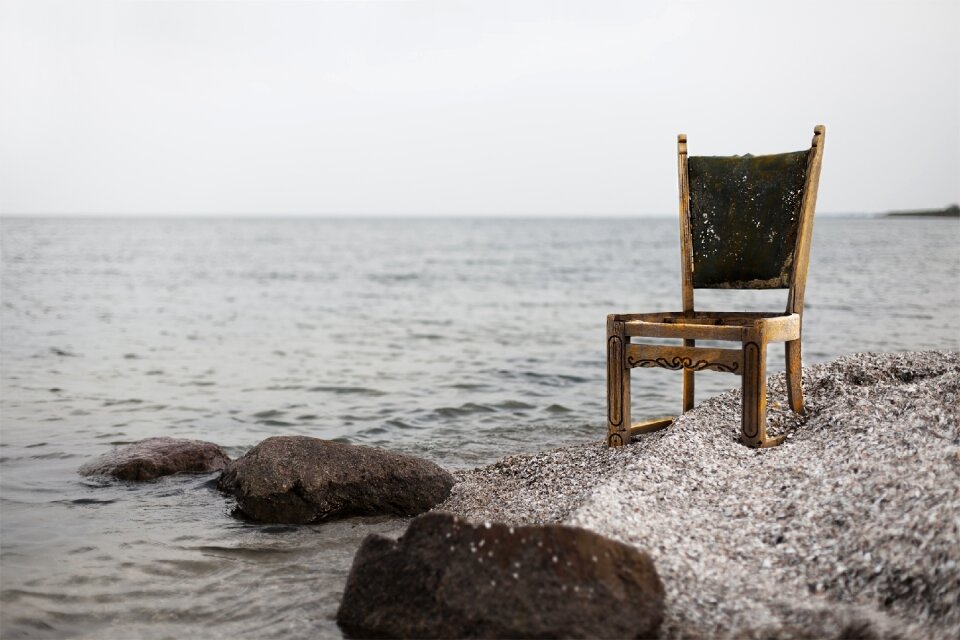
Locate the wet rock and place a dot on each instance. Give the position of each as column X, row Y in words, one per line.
column 446, row 578
column 299, row 480
column 155, row 457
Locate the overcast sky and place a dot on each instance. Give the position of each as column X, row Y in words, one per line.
column 483, row 107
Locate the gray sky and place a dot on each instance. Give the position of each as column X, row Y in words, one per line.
column 465, row 107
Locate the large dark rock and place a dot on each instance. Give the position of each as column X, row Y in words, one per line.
column 446, row 578
column 155, row 457
column 298, row 480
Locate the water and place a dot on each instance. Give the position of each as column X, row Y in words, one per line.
column 457, row 340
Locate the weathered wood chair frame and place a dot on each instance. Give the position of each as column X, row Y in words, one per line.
column 752, row 330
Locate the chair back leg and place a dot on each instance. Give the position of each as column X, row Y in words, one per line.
column 688, row 386
column 794, row 376
column 618, row 385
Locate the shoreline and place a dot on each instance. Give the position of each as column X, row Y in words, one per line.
column 953, row 211
column 850, row 527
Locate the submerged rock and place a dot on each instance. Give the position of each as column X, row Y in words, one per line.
column 155, row 457
column 446, row 578
column 299, row 480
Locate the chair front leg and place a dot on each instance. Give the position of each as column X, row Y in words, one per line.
column 618, row 384
column 753, row 425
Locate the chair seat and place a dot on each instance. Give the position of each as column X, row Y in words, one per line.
column 711, row 325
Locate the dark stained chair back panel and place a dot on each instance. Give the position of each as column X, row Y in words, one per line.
column 744, row 218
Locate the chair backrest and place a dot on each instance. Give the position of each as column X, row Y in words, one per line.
column 746, row 221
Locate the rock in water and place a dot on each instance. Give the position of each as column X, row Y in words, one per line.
column 446, row 578
column 299, row 480
column 155, row 457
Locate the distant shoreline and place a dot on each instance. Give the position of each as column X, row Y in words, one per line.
column 953, row 211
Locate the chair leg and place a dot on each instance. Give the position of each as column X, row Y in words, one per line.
column 794, row 376
column 753, row 426
column 688, row 382
column 618, row 385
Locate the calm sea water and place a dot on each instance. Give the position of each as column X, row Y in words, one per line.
column 457, row 340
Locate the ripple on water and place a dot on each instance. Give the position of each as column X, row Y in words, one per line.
column 338, row 390
column 470, row 386
column 557, row 408
column 54, row 455
column 182, row 568
column 353, row 417
column 371, row 431
column 466, row 409
column 269, row 413
column 403, row 426
column 514, row 404
column 97, row 501
column 113, row 403
column 85, row 549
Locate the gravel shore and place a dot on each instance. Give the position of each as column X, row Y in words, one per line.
column 851, row 528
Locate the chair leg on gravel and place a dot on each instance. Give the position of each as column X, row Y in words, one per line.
column 753, row 426
column 688, row 386
column 794, row 376
column 618, row 385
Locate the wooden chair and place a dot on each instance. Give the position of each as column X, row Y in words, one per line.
column 745, row 223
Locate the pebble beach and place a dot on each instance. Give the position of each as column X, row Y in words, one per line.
column 851, row 528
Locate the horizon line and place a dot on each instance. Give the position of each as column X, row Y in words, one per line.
column 383, row 215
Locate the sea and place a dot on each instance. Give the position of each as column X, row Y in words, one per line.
column 458, row 340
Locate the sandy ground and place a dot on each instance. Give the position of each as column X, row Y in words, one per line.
column 851, row 528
